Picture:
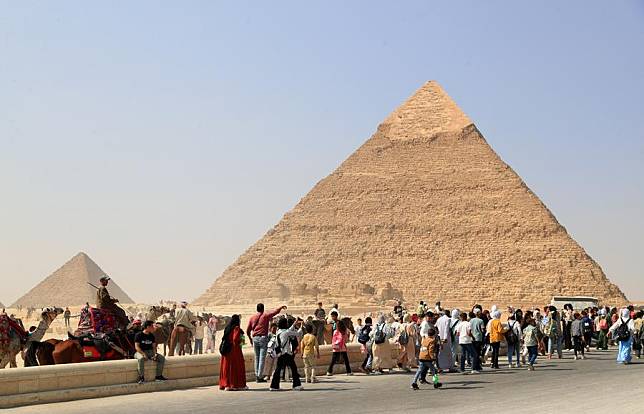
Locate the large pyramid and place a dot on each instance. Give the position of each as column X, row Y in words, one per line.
column 68, row 286
column 425, row 209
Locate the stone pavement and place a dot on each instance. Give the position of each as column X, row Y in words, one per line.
column 558, row 385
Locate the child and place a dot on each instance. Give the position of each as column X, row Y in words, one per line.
column 269, row 364
column 429, row 347
column 309, row 348
column 577, row 333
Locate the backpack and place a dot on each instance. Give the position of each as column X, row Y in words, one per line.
column 225, row 346
column 588, row 327
column 403, row 338
column 622, row 333
column 278, row 346
column 452, row 333
column 428, row 348
column 603, row 324
column 379, row 337
column 363, row 336
column 511, row 336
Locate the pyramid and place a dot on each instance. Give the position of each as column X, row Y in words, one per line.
column 68, row 286
column 424, row 209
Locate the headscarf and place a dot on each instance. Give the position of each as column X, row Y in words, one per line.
column 235, row 320
column 455, row 314
column 626, row 313
column 496, row 314
column 381, row 319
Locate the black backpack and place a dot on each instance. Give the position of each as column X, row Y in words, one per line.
column 403, row 338
column 363, row 336
column 379, row 337
column 225, row 347
column 511, row 336
column 622, row 333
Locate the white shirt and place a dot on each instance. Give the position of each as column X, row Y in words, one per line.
column 464, row 329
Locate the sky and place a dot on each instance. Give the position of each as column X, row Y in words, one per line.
column 164, row 138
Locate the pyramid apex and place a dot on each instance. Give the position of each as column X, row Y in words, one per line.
column 429, row 111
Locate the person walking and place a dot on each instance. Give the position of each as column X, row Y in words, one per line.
column 465, row 340
column 257, row 332
column 67, row 315
column 577, row 335
column 146, row 347
column 211, row 331
column 339, row 345
column 285, row 352
column 199, row 334
column 364, row 338
column 310, row 351
column 232, row 369
column 638, row 339
column 553, row 331
column 407, row 336
column 513, row 339
column 444, row 330
column 587, row 327
column 602, row 325
column 429, row 347
column 381, row 350
column 496, row 336
column 623, row 331
column 531, row 340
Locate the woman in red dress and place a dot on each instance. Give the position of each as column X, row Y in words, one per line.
column 232, row 371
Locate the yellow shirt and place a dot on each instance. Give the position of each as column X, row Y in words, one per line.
column 309, row 343
column 496, row 331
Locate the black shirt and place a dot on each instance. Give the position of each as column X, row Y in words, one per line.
column 144, row 340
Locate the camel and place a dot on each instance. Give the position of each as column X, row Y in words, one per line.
column 8, row 355
column 71, row 350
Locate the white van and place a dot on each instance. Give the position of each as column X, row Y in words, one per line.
column 578, row 302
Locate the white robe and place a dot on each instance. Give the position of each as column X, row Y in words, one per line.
column 445, row 360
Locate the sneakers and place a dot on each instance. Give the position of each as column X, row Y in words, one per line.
column 475, row 372
column 438, row 385
column 328, row 374
column 273, row 389
column 259, row 380
column 574, row 357
column 583, row 357
column 298, row 388
column 349, row 374
column 530, row 367
column 414, row 386
column 160, row 378
column 510, row 366
column 140, row 381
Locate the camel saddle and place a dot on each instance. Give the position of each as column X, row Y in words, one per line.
column 95, row 346
column 8, row 325
column 95, row 320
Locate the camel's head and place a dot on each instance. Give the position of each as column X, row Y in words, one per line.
column 51, row 313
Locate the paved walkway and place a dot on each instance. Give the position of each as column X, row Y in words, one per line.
column 573, row 386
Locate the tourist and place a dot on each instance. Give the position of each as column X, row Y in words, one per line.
column 445, row 356
column 334, row 320
column 232, row 369
column 553, row 331
column 310, row 352
column 406, row 339
column 398, row 310
column 146, row 346
column 67, row 315
column 577, row 335
column 587, row 326
column 211, row 331
column 465, row 340
column 199, row 334
column 623, row 331
column 530, row 340
column 339, row 346
column 364, row 338
column 420, row 310
column 496, row 332
column 257, row 332
column 183, row 319
column 358, row 326
column 513, row 339
column 567, row 318
column 381, row 349
column 602, row 325
column 319, row 313
column 638, row 339
column 455, row 347
column 477, row 327
column 285, row 353
column 429, row 349
column 271, row 355
column 335, row 309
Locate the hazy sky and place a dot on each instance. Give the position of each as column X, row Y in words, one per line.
column 164, row 138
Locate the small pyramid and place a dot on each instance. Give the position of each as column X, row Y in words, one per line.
column 68, row 286
column 424, row 209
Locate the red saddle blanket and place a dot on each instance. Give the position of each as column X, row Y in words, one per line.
column 92, row 353
column 96, row 320
column 6, row 326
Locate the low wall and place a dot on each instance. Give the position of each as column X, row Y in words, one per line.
column 55, row 383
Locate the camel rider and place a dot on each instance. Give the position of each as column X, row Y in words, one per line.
column 105, row 302
column 183, row 318
column 319, row 313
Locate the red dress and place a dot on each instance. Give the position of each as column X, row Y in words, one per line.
column 232, row 371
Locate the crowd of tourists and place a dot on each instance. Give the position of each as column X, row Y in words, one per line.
column 431, row 340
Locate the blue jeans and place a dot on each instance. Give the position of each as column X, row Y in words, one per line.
column 532, row 354
column 514, row 350
column 423, row 367
column 554, row 343
column 260, row 345
column 198, row 347
column 468, row 352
